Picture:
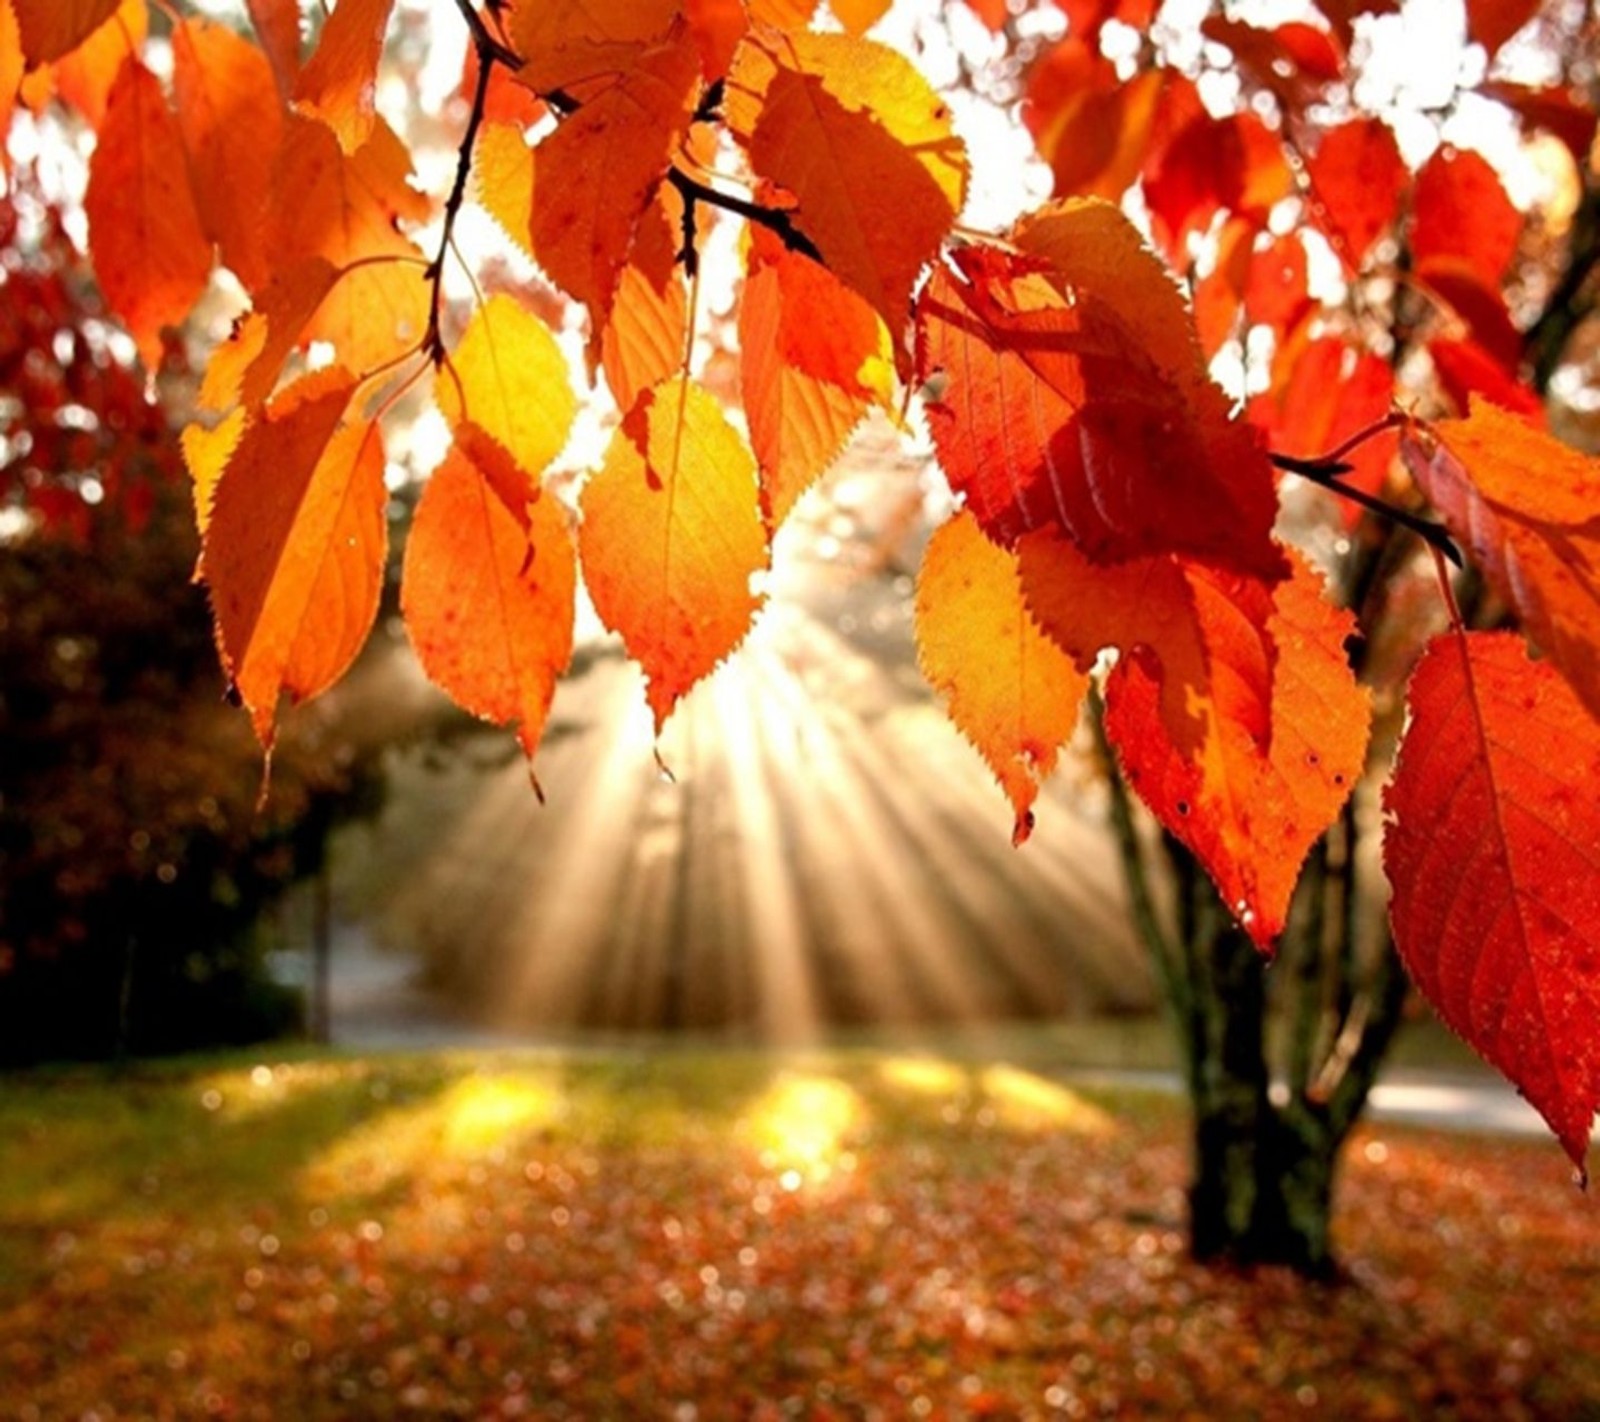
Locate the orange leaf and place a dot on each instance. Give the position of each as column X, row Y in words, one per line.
column 1091, row 128
column 1462, row 213
column 210, row 439
column 582, row 230
column 488, row 587
column 508, row 378
column 277, row 25
column 295, row 546
column 11, row 66
column 1008, row 688
column 150, row 254
column 813, row 359
column 1553, row 108
column 895, row 176
column 1086, row 18
column 231, row 123
column 1146, row 609
column 50, row 28
column 1527, row 508
column 1357, row 177
column 1251, row 803
column 1075, row 397
column 344, row 209
column 1493, row 852
column 84, row 77
column 643, row 341
column 717, row 26
column 671, row 536
column 340, row 83
column 858, row 16
column 579, row 48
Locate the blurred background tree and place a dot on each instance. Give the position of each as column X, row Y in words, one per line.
column 134, row 860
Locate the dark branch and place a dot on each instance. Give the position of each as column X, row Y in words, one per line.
column 1327, row 476
column 484, row 41
column 709, row 109
column 488, row 56
column 773, row 219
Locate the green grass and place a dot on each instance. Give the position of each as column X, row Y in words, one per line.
column 633, row 1234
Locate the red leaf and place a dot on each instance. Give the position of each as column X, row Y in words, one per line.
column 1357, row 177
column 1527, row 508
column 1251, row 802
column 1493, row 852
column 277, row 25
column 1075, row 397
column 1492, row 22
column 1213, row 165
column 1462, row 213
column 1465, row 369
column 1091, row 128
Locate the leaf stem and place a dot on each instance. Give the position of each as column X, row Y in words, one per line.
column 692, row 190
column 1326, row 472
column 490, row 52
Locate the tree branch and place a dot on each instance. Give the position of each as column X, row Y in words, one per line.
column 692, row 190
column 1326, row 474
column 489, row 52
column 484, row 41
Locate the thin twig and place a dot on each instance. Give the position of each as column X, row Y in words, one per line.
column 1327, row 477
column 488, row 47
column 484, row 41
column 773, row 219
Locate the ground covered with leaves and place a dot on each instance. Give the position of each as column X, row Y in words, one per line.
column 697, row 1236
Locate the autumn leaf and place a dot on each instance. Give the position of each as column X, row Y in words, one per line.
column 1493, row 852
column 813, row 359
column 294, row 549
column 858, row 16
column 1462, row 214
column 210, row 438
column 508, row 379
column 1213, row 165
column 1008, row 688
column 671, row 537
column 1074, row 396
column 489, row 585
column 1086, row 18
column 339, row 84
column 277, row 25
column 582, row 231
column 83, row 77
column 1357, row 178
column 502, row 171
column 345, row 209
column 895, row 175
column 1250, row 802
column 643, row 340
column 1093, row 129
column 1527, row 508
column 150, row 252
column 49, row 29
column 1466, row 369
column 229, row 116
column 1144, row 608
column 1492, row 22
column 11, row 66
column 579, row 48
